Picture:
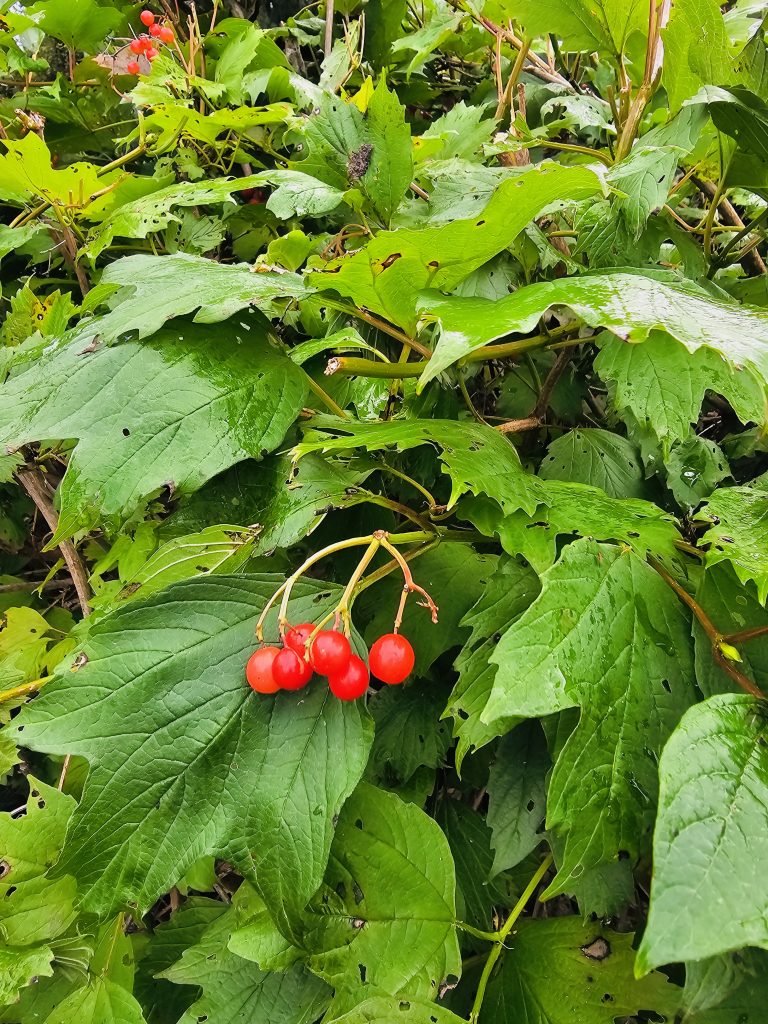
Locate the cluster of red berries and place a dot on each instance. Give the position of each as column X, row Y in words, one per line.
column 329, row 654
column 146, row 44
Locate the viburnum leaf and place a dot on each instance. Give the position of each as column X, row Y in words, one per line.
column 34, row 908
column 663, row 386
column 19, row 965
column 562, row 970
column 469, row 838
column 599, row 458
column 458, row 575
column 706, row 897
column 739, row 518
column 507, row 594
column 234, row 989
column 286, row 500
column 694, row 469
column 153, row 414
column 604, row 25
column 254, row 779
column 609, row 636
column 371, row 152
column 387, row 274
column 630, row 305
column 517, row 795
column 385, row 915
column 724, row 989
column 79, row 24
column 571, row 508
column 408, row 733
column 740, row 113
column 477, row 458
column 26, row 175
column 143, row 292
column 696, row 49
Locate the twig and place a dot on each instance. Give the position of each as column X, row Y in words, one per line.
column 745, row 634
column 34, row 484
column 554, row 375
column 752, row 261
column 716, row 638
column 328, row 43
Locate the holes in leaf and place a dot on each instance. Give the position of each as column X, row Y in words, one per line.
column 363, row 971
column 530, row 805
column 665, row 684
column 10, row 891
column 126, row 432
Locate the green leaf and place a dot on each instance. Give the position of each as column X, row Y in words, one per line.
column 455, row 572
column 256, row 780
column 696, row 49
column 609, row 636
column 385, row 916
column 229, row 402
column 79, row 24
column 19, row 966
column 235, row 990
column 739, row 113
column 740, row 519
column 631, row 306
column 726, row 989
column 477, row 458
column 288, row 501
column 694, row 469
column 706, row 898
column 34, row 908
column 143, row 292
column 598, row 458
column 387, row 274
column 460, row 132
column 603, row 25
column 507, row 594
column 371, row 152
column 577, row 509
column 408, row 731
column 469, row 838
column 26, row 174
column 517, row 794
column 663, row 386
column 562, row 970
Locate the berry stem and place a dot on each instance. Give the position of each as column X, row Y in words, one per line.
column 342, row 608
column 409, row 586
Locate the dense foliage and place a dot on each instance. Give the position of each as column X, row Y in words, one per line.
column 466, row 295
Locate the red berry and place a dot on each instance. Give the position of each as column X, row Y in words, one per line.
column 258, row 671
column 290, row 670
column 352, row 682
column 145, row 41
column 147, row 18
column 132, row 67
column 297, row 636
column 155, row 30
column 136, row 46
column 166, row 34
column 330, row 653
column 391, row 658
column 151, row 52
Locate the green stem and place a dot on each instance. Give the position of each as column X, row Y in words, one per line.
column 721, row 259
column 325, row 398
column 353, row 367
column 406, row 479
column 501, row 936
column 570, row 147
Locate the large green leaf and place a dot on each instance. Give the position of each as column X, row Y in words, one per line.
column 19, row 966
column 739, row 518
column 385, row 916
column 609, row 636
column 388, row 273
column 79, row 24
column 143, row 292
column 255, row 779
column 371, row 152
column 741, row 114
column 154, row 414
column 602, row 25
column 696, row 49
column 576, row 509
column 562, row 971
column 662, row 385
column 706, row 897
column 631, row 306
column 596, row 457
column 506, row 596
column 477, row 458
column 34, row 908
column 384, row 1010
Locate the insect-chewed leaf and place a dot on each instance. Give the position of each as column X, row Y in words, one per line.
column 186, row 760
column 386, row 914
column 739, row 517
column 154, row 414
column 562, row 970
column 609, row 636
